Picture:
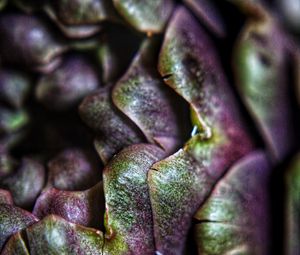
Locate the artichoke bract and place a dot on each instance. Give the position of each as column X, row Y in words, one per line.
column 26, row 40
column 68, row 84
column 79, row 19
column 260, row 53
column 15, row 87
column 149, row 127
column 25, row 183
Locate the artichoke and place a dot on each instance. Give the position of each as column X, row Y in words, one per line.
column 149, row 127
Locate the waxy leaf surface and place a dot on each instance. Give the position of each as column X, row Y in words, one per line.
column 128, row 219
column 77, row 12
column 189, row 64
column 177, row 187
column 15, row 246
column 79, row 207
column 235, row 219
column 54, row 235
column 261, row 67
column 115, row 131
column 145, row 16
column 73, row 169
column 147, row 101
column 12, row 220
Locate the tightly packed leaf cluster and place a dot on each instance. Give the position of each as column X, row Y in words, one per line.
column 135, row 127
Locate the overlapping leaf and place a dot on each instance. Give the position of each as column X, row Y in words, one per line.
column 78, row 19
column 235, row 219
column 13, row 219
column 189, row 64
column 128, row 218
column 73, row 169
column 261, row 64
column 146, row 16
column 26, row 40
column 207, row 11
column 150, row 195
column 14, row 87
column 115, row 131
column 68, row 84
column 25, row 183
column 144, row 98
column 54, row 235
column 79, row 207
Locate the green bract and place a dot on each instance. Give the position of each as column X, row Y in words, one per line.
column 149, row 127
